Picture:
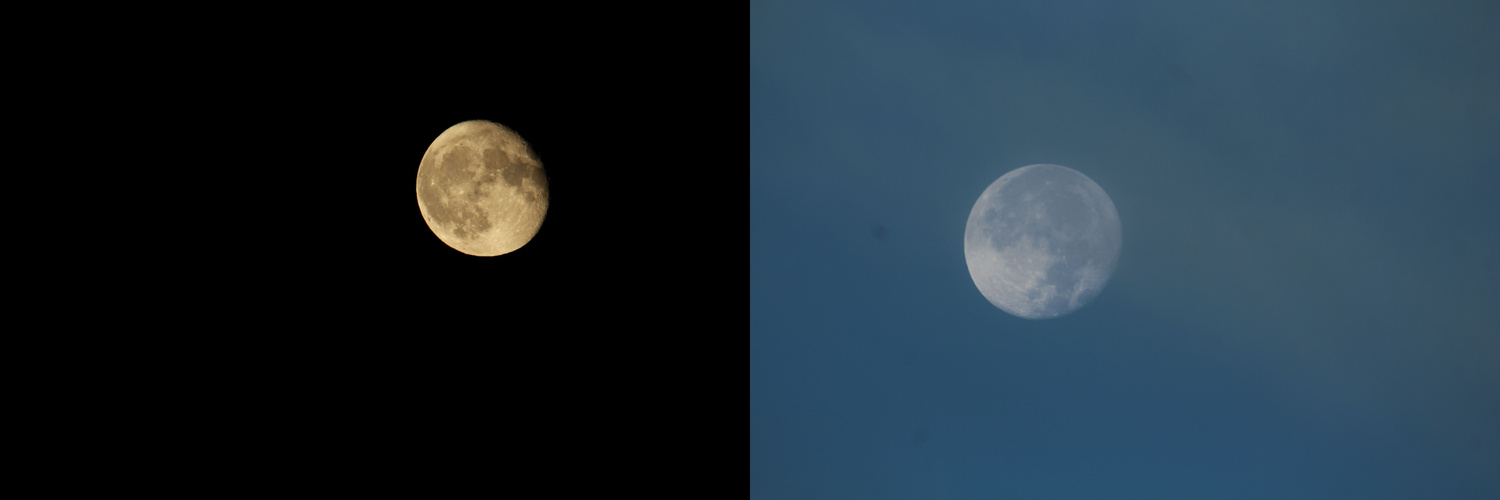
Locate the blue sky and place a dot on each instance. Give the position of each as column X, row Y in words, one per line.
column 1306, row 302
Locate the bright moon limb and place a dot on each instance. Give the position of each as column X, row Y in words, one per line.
column 482, row 189
column 1042, row 241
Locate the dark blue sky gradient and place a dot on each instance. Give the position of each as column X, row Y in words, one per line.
column 1306, row 303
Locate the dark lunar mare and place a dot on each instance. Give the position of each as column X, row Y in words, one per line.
column 467, row 220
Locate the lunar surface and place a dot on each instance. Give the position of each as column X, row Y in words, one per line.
column 481, row 189
column 1042, row 241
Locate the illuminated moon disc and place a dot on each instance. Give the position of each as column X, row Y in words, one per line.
column 1042, row 241
column 481, row 189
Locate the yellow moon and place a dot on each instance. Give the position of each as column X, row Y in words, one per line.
column 481, row 189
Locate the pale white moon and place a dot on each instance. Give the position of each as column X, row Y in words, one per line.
column 481, row 189
column 1042, row 241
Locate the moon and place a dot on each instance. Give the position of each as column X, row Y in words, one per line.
column 482, row 189
column 1042, row 241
